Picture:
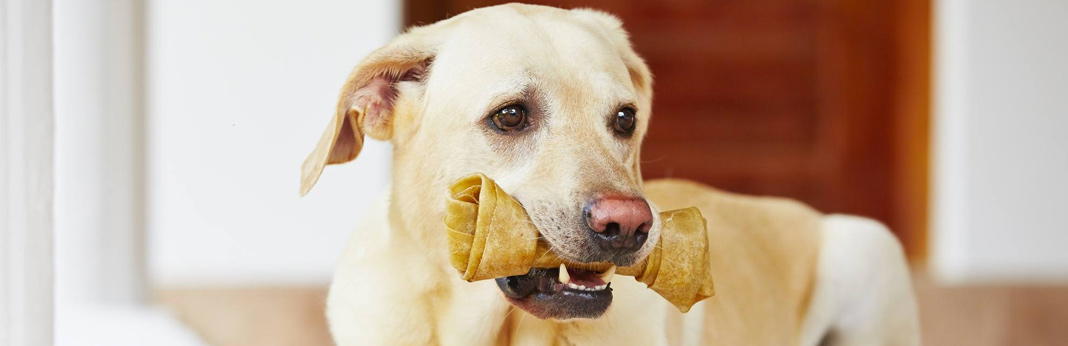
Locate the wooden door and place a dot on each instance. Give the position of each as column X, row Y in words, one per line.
column 824, row 101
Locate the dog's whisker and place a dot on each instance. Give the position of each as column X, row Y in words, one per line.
column 511, row 309
column 655, row 160
column 519, row 325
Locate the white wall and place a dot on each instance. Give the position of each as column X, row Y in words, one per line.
column 239, row 92
column 1001, row 140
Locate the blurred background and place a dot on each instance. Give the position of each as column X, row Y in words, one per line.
column 180, row 127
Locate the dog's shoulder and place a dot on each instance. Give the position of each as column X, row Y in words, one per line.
column 672, row 193
column 764, row 251
column 774, row 227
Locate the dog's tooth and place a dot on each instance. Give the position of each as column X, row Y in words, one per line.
column 607, row 275
column 565, row 277
column 572, row 285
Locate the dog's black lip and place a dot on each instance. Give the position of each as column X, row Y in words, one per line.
column 539, row 293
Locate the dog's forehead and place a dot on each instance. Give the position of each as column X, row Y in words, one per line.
column 511, row 38
column 507, row 52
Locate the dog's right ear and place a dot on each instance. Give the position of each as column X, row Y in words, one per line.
column 367, row 102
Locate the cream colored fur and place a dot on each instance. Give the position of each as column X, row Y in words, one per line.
column 785, row 275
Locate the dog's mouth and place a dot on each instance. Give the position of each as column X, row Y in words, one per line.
column 560, row 293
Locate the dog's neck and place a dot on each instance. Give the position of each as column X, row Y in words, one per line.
column 417, row 210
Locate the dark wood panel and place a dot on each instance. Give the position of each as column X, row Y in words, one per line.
column 727, row 125
column 708, row 82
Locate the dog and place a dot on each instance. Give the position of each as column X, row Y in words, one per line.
column 553, row 104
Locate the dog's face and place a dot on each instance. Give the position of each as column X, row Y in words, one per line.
column 552, row 104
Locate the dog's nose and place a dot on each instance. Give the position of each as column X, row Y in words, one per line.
column 619, row 222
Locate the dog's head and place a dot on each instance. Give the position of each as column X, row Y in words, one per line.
column 551, row 103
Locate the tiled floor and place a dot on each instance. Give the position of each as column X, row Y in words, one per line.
column 974, row 316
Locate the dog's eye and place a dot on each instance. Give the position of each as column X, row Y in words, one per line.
column 510, row 118
column 625, row 121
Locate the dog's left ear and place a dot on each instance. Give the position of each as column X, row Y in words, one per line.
column 368, row 101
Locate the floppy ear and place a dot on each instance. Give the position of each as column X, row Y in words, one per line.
column 367, row 103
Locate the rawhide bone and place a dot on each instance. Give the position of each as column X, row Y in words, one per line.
column 491, row 236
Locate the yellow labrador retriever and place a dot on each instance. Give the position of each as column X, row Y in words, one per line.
column 553, row 105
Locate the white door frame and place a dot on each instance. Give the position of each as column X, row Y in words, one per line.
column 26, row 142
column 99, row 154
